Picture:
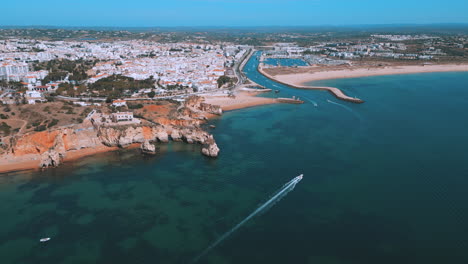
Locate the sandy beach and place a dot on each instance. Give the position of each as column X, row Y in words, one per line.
column 305, row 76
column 19, row 165
column 242, row 100
column 31, row 162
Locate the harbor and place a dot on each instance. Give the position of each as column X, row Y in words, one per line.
column 334, row 91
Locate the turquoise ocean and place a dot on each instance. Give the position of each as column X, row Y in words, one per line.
column 384, row 182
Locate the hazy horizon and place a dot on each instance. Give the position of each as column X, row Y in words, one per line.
column 246, row 26
column 232, row 13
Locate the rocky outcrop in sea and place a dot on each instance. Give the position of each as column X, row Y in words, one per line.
column 210, row 148
column 148, row 148
column 51, row 147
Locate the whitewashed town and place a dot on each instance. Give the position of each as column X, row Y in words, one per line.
column 173, row 68
column 99, row 69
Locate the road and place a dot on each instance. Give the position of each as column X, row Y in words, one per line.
column 238, row 67
column 220, row 91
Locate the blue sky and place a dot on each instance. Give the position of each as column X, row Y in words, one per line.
column 230, row 12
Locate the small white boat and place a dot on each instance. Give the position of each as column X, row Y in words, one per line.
column 45, row 239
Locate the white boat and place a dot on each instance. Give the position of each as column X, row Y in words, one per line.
column 45, row 239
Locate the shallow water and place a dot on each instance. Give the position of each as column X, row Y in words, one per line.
column 385, row 182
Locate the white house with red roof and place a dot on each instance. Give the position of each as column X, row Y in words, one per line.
column 119, row 102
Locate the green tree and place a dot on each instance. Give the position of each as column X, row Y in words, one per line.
column 5, row 129
column 52, row 123
column 223, row 80
column 66, row 88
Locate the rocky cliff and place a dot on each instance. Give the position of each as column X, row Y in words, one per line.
column 64, row 139
column 197, row 104
column 127, row 135
column 50, row 147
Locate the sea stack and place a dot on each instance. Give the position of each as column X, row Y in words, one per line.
column 148, row 148
column 210, row 148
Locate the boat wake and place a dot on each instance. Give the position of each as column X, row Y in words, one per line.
column 347, row 108
column 268, row 204
column 313, row 102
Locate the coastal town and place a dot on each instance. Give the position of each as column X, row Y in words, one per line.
column 139, row 92
column 96, row 69
column 91, row 86
column 233, row 131
column 168, row 68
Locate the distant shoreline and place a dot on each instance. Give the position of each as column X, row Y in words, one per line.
column 300, row 79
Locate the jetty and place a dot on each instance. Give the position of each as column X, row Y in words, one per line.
column 334, row 91
column 290, row 100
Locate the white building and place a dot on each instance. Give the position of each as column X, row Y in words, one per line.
column 118, row 103
column 80, row 103
column 15, row 70
column 122, row 116
column 33, row 94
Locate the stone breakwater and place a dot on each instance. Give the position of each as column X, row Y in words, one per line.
column 334, row 91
